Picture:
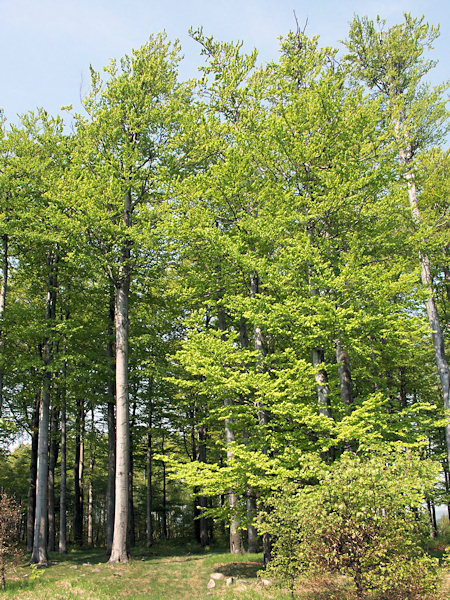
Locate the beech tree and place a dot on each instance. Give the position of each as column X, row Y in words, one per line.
column 390, row 62
column 121, row 153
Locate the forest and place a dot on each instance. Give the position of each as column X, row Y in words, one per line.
column 225, row 303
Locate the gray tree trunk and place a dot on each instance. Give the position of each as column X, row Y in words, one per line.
column 53, row 457
column 39, row 554
column 263, row 415
column 31, row 505
column 78, row 475
column 62, row 548
column 2, row 309
column 110, row 492
column 345, row 377
column 90, row 533
column 236, row 542
column 119, row 550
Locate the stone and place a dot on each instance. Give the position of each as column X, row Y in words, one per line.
column 229, row 580
column 217, row 576
column 211, row 584
column 266, row 582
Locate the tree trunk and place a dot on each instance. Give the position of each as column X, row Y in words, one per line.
column 63, row 488
column 323, row 390
column 31, row 507
column 149, row 485
column 345, row 377
column 110, row 493
column 91, row 484
column 201, row 457
column 131, row 524
column 39, row 555
column 78, row 475
column 2, row 309
column 263, row 415
column 119, row 550
column 236, row 542
column 53, row 457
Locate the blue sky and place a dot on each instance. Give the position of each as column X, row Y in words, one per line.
column 46, row 46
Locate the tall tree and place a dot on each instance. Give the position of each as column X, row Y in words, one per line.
column 123, row 146
column 390, row 62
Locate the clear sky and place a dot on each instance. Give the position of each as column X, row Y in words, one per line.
column 46, row 46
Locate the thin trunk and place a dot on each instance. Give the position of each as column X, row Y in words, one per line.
column 431, row 525
column 323, row 389
column 31, row 507
column 78, row 475
column 345, row 377
column 201, row 457
column 252, row 534
column 91, row 484
column 236, row 542
column 53, row 457
column 63, row 487
column 263, row 415
column 39, row 554
column 2, row 309
column 149, row 483
column 131, row 524
column 110, row 493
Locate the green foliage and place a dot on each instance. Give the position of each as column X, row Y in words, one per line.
column 364, row 519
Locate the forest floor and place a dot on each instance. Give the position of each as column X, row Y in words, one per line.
column 162, row 573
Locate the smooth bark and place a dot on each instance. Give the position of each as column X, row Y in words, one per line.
column 62, row 546
column 53, row 457
column 78, row 475
column 39, row 554
column 2, row 309
column 236, row 542
column 31, row 505
column 345, row 376
column 111, row 417
column 119, row 550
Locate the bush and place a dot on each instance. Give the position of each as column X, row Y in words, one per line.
column 9, row 523
column 365, row 520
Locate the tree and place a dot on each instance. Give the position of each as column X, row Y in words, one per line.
column 121, row 152
column 390, row 62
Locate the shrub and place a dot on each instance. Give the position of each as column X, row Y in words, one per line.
column 9, row 523
column 364, row 520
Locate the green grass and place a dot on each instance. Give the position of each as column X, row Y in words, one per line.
column 165, row 572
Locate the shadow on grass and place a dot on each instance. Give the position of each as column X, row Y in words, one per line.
column 242, row 569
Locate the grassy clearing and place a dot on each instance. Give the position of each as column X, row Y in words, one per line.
column 161, row 573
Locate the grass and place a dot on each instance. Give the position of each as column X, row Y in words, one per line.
column 165, row 572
